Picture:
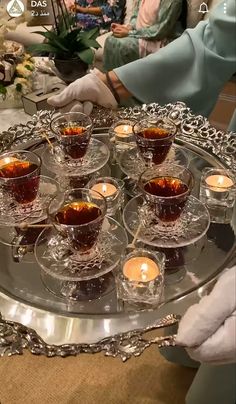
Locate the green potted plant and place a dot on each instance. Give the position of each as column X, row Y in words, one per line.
column 71, row 48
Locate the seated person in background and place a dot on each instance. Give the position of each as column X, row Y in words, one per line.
column 151, row 27
column 98, row 13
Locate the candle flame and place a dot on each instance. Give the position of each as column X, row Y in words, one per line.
column 7, row 160
column 104, row 188
column 144, row 267
column 144, row 270
column 220, row 180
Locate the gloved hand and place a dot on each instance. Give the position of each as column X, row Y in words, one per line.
column 88, row 88
column 208, row 329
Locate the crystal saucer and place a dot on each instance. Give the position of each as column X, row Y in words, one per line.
column 62, row 268
column 13, row 213
column 142, row 223
column 96, row 157
column 132, row 164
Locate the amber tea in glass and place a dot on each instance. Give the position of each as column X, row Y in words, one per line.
column 19, row 176
column 78, row 215
column 73, row 131
column 166, row 188
column 154, row 139
column 77, row 147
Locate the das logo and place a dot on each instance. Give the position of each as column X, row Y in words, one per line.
column 38, row 3
column 15, row 8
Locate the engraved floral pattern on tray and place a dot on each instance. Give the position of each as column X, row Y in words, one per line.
column 193, row 129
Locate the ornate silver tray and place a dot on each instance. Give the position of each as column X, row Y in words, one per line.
column 33, row 319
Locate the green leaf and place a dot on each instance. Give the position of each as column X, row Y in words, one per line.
column 3, row 89
column 43, row 47
column 86, row 55
column 91, row 43
column 28, row 67
column 41, row 33
column 71, row 36
column 91, row 34
column 19, row 87
column 53, row 39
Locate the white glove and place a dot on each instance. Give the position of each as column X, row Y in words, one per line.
column 75, row 106
column 208, row 329
column 88, row 88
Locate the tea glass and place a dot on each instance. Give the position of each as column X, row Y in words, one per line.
column 154, row 137
column 82, row 223
column 166, row 189
column 19, row 176
column 73, row 131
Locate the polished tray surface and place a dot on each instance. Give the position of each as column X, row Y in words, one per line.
column 24, row 298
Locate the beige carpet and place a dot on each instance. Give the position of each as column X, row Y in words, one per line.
column 93, row 379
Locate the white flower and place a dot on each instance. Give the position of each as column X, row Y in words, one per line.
column 21, row 80
column 26, row 85
column 28, row 63
column 22, row 71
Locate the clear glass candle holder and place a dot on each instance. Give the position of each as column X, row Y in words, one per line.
column 140, row 279
column 112, row 189
column 122, row 136
column 218, row 192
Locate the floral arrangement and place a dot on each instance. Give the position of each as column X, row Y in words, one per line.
column 22, row 82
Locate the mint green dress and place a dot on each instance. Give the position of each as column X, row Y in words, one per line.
column 192, row 69
column 120, row 51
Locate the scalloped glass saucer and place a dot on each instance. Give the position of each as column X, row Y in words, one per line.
column 141, row 222
column 13, row 213
column 63, row 269
column 132, row 164
column 95, row 158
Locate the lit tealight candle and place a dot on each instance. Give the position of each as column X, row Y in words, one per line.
column 7, row 160
column 123, row 130
column 105, row 188
column 141, row 269
column 219, row 183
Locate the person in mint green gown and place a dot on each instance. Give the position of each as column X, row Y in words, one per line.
column 192, row 69
column 151, row 27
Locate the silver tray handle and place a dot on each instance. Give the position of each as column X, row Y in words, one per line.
column 15, row 338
